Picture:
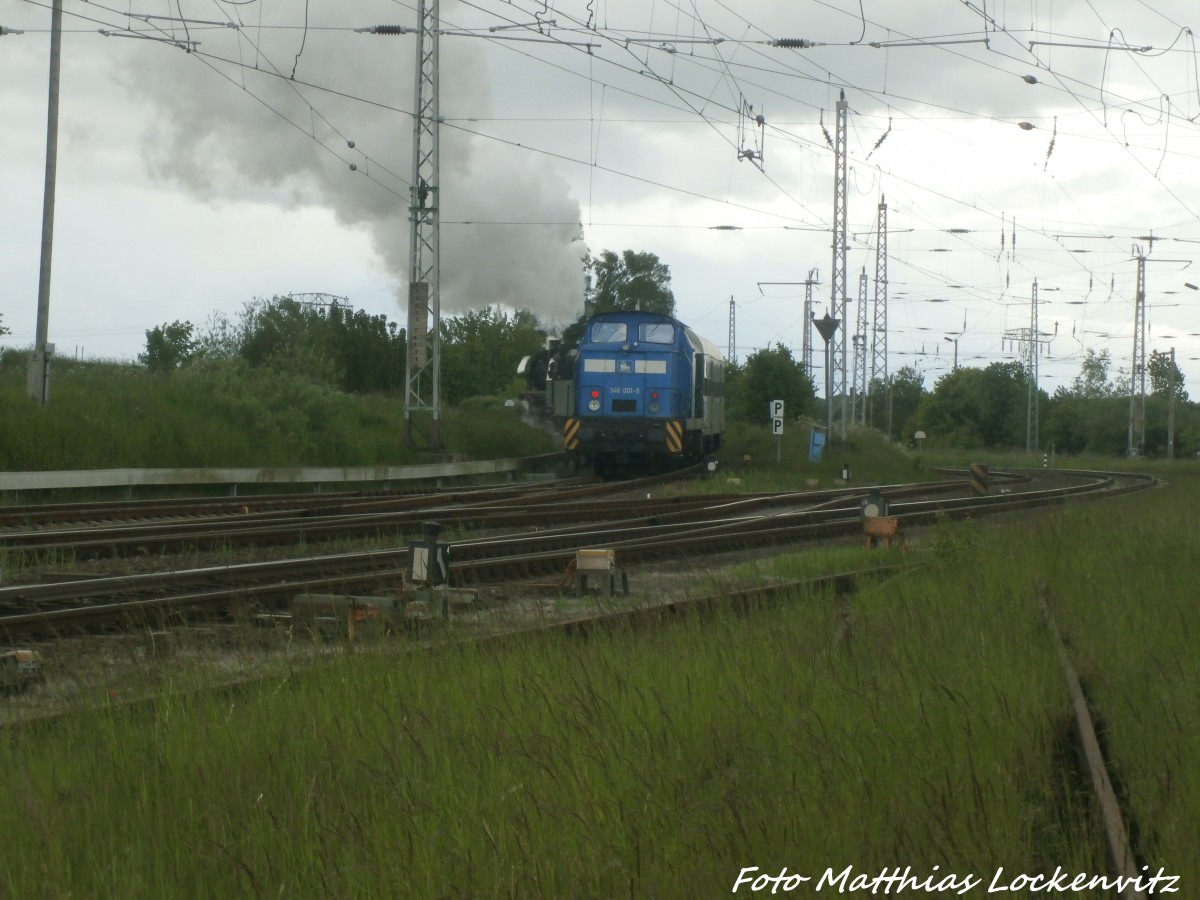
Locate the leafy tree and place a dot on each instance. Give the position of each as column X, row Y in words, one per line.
column 632, row 280
column 169, row 347
column 1163, row 375
column 288, row 336
column 1090, row 416
column 219, row 339
column 766, row 375
column 1092, row 380
column 978, row 407
column 333, row 344
column 1074, row 424
column 369, row 350
column 896, row 400
column 3, row 330
column 481, row 350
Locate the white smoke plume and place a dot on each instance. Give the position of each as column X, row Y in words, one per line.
column 228, row 131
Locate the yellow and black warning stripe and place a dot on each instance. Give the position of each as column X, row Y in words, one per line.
column 674, row 436
column 571, row 434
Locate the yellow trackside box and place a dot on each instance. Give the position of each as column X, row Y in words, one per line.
column 884, row 530
column 595, row 560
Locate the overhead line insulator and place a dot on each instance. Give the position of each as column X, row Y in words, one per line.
column 386, row 29
column 793, row 43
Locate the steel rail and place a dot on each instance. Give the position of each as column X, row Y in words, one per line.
column 377, row 519
column 480, row 561
column 241, row 508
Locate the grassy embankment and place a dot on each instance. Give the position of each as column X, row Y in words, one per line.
column 113, row 415
column 661, row 762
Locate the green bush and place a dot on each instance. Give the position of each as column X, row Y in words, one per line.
column 224, row 413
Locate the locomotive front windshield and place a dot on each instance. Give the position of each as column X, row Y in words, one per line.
column 609, row 332
column 647, row 333
column 657, row 333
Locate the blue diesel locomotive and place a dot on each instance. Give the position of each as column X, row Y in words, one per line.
column 645, row 392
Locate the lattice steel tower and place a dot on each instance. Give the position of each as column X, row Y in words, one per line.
column 879, row 344
column 861, row 344
column 838, row 293
column 423, row 387
column 1030, row 340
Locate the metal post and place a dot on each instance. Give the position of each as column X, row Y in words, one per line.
column 828, row 389
column 861, row 344
column 954, row 341
column 1171, row 408
column 732, row 332
column 39, row 362
column 1031, row 413
column 1137, row 382
column 827, row 327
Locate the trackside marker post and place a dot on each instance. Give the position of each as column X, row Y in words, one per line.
column 775, row 411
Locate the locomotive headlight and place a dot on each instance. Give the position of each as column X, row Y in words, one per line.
column 594, row 404
column 654, row 406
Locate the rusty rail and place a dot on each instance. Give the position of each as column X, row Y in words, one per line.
column 1116, row 834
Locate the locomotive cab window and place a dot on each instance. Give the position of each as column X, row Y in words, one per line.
column 609, row 332
column 657, row 333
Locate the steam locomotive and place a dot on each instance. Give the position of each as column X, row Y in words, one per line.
column 641, row 392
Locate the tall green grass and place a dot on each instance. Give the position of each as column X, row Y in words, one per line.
column 646, row 763
column 221, row 413
column 1120, row 578
column 763, row 461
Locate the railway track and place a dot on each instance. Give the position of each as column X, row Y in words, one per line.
column 681, row 530
column 534, row 510
column 20, row 519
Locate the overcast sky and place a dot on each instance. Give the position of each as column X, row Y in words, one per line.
column 192, row 182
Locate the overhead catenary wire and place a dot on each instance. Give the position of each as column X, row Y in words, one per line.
column 589, row 157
